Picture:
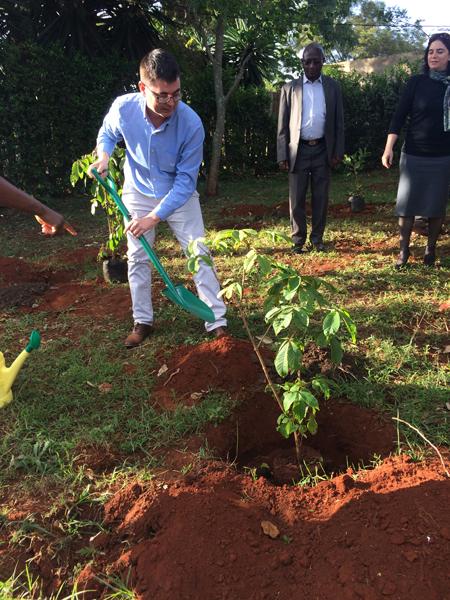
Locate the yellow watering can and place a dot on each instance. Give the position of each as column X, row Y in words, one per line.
column 9, row 374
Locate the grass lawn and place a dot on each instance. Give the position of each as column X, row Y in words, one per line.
column 82, row 398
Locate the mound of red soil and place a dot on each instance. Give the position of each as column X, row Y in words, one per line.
column 380, row 534
column 225, row 363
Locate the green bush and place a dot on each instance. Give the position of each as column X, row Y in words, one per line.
column 250, row 128
column 51, row 106
column 369, row 103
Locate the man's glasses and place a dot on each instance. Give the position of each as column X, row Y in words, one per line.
column 164, row 98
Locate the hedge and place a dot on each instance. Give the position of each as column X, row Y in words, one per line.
column 51, row 106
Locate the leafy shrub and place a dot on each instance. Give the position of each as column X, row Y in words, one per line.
column 100, row 197
column 51, row 107
column 369, row 103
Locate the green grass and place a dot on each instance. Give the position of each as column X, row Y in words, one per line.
column 398, row 365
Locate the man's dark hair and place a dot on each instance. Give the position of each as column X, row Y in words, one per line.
column 159, row 64
column 442, row 37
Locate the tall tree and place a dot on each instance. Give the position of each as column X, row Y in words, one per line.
column 381, row 30
column 268, row 28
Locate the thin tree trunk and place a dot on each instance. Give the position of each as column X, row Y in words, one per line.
column 213, row 172
column 212, row 183
column 298, row 447
column 216, row 59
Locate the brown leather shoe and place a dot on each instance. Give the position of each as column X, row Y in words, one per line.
column 138, row 335
column 219, row 331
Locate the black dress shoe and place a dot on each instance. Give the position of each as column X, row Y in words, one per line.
column 318, row 246
column 298, row 249
column 429, row 258
column 402, row 259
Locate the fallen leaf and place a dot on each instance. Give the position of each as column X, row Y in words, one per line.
column 104, row 388
column 270, row 529
column 162, row 370
column 447, row 405
column 444, row 306
column 196, row 395
column 446, row 350
column 91, row 384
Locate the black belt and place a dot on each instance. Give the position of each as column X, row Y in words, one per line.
column 312, row 142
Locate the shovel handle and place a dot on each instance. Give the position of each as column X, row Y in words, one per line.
column 111, row 188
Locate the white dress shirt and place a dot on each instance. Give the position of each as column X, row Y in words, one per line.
column 313, row 110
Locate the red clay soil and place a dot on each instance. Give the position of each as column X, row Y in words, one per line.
column 221, row 531
column 249, row 211
column 224, row 363
column 381, row 534
column 34, row 288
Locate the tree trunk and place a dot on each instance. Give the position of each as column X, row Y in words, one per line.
column 213, row 172
column 212, row 182
column 216, row 58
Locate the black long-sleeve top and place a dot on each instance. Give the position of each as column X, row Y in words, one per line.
column 423, row 101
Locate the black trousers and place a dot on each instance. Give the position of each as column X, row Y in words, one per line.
column 311, row 167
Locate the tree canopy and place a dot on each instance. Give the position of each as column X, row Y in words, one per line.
column 378, row 30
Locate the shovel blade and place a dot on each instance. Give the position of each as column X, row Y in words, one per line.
column 187, row 300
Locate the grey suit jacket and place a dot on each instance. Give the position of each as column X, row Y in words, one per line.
column 290, row 118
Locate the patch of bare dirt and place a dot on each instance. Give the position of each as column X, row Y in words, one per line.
column 219, row 534
column 32, row 287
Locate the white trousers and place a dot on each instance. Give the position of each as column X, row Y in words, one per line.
column 187, row 225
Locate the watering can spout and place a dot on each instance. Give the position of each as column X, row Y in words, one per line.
column 8, row 374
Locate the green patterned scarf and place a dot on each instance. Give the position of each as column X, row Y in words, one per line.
column 442, row 76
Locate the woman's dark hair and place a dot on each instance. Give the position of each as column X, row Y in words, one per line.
column 442, row 37
column 159, row 64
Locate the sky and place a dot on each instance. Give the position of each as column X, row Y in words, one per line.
column 435, row 14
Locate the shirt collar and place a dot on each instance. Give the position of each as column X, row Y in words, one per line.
column 306, row 80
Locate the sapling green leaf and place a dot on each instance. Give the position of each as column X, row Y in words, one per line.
column 288, row 358
column 249, row 261
column 300, row 318
column 299, row 410
column 312, row 426
column 286, row 426
column 336, row 350
column 349, row 324
column 331, row 323
column 265, row 265
column 321, row 385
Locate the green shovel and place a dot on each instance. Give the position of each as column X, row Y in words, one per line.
column 177, row 293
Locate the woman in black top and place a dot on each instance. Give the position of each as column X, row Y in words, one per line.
column 425, row 159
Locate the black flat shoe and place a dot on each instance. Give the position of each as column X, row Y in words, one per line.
column 429, row 259
column 318, row 246
column 402, row 259
column 298, row 249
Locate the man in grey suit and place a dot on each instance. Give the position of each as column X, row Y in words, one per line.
column 310, row 140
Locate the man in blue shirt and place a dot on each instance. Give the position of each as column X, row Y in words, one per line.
column 164, row 150
column 310, row 140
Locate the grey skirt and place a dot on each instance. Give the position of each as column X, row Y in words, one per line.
column 423, row 187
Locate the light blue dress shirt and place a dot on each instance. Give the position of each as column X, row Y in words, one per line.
column 313, row 110
column 161, row 162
